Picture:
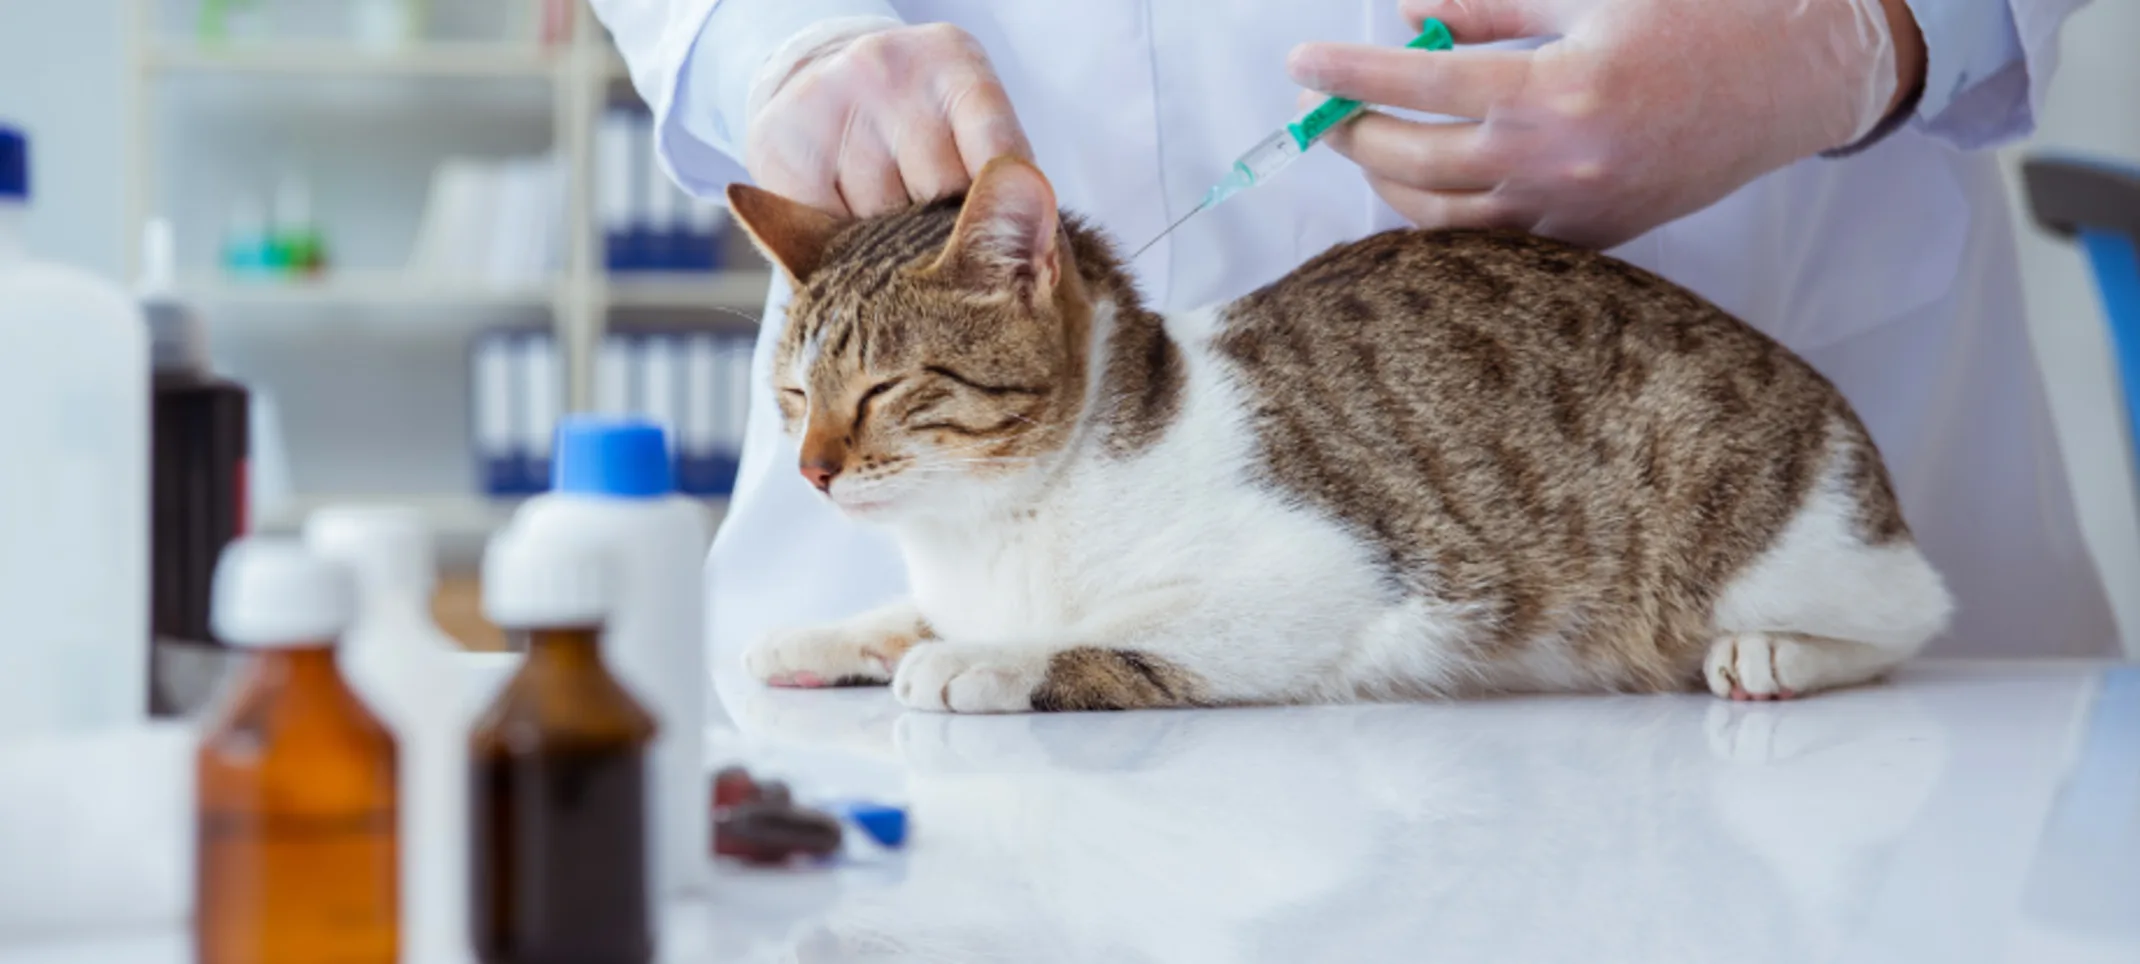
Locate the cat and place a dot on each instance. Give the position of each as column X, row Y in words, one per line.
column 1423, row 464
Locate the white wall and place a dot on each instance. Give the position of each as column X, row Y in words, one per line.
column 62, row 77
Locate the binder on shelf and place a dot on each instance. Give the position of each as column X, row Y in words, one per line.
column 492, row 359
column 660, row 211
column 659, row 396
column 497, row 223
column 619, row 162
column 519, row 393
column 613, row 378
column 735, row 371
column 542, row 395
column 696, row 433
column 647, row 222
column 705, row 224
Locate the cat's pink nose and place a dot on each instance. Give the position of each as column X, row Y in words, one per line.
column 820, row 474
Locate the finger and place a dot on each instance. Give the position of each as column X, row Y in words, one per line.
column 1482, row 21
column 869, row 180
column 929, row 161
column 983, row 125
column 1450, row 209
column 1459, row 83
column 1429, row 157
column 811, row 184
column 798, row 161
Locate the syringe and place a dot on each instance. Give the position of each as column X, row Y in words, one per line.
column 1272, row 154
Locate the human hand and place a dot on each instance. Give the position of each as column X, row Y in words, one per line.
column 1636, row 113
column 873, row 122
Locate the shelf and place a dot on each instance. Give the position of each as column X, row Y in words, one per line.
column 450, row 517
column 420, row 60
column 740, row 291
column 363, row 288
column 734, row 290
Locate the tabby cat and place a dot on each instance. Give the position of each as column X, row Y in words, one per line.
column 1426, row 463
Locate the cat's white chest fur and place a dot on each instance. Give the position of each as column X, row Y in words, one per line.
column 992, row 582
column 1122, row 544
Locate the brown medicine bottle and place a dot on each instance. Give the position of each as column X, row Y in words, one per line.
column 197, row 487
column 295, row 778
column 558, row 869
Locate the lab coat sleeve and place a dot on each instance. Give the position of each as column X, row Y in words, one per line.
column 1988, row 65
column 693, row 61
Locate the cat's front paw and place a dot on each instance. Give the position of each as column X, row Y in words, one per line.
column 970, row 678
column 836, row 655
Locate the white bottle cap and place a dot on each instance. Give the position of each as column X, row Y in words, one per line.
column 178, row 341
column 270, row 593
column 386, row 547
column 534, row 581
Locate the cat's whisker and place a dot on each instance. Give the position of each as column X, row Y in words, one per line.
column 746, row 316
column 1004, row 460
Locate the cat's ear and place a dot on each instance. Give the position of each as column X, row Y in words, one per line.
column 792, row 235
column 1008, row 231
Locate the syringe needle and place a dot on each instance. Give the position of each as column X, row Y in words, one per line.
column 1170, row 228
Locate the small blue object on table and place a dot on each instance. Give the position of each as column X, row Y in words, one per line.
column 883, row 823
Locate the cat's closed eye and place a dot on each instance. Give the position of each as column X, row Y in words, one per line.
column 862, row 407
column 793, row 402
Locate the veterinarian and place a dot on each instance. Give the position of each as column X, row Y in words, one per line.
column 1816, row 167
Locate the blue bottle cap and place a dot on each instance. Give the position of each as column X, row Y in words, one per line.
column 14, row 163
column 620, row 457
column 885, row 824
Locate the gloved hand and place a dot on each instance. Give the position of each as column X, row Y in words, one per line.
column 870, row 122
column 1636, row 113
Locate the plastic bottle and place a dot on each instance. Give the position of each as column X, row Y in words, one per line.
column 299, row 248
column 74, row 526
column 199, row 442
column 559, row 772
column 296, row 842
column 428, row 689
column 248, row 249
column 612, row 485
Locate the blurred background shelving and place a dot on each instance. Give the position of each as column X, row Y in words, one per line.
column 420, row 59
column 364, row 370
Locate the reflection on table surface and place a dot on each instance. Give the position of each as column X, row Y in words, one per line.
column 1961, row 812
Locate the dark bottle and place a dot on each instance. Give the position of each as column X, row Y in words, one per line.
column 295, row 779
column 197, row 488
column 558, row 870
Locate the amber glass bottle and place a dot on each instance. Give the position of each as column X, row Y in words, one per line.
column 197, row 486
column 558, row 871
column 295, row 779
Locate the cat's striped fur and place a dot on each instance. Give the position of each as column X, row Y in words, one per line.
column 1422, row 463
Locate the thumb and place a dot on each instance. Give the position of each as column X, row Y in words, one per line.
column 1483, row 21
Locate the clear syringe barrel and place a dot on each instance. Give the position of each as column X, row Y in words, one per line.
column 1269, row 156
column 1257, row 165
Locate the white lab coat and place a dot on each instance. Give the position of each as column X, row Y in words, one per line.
column 1892, row 272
